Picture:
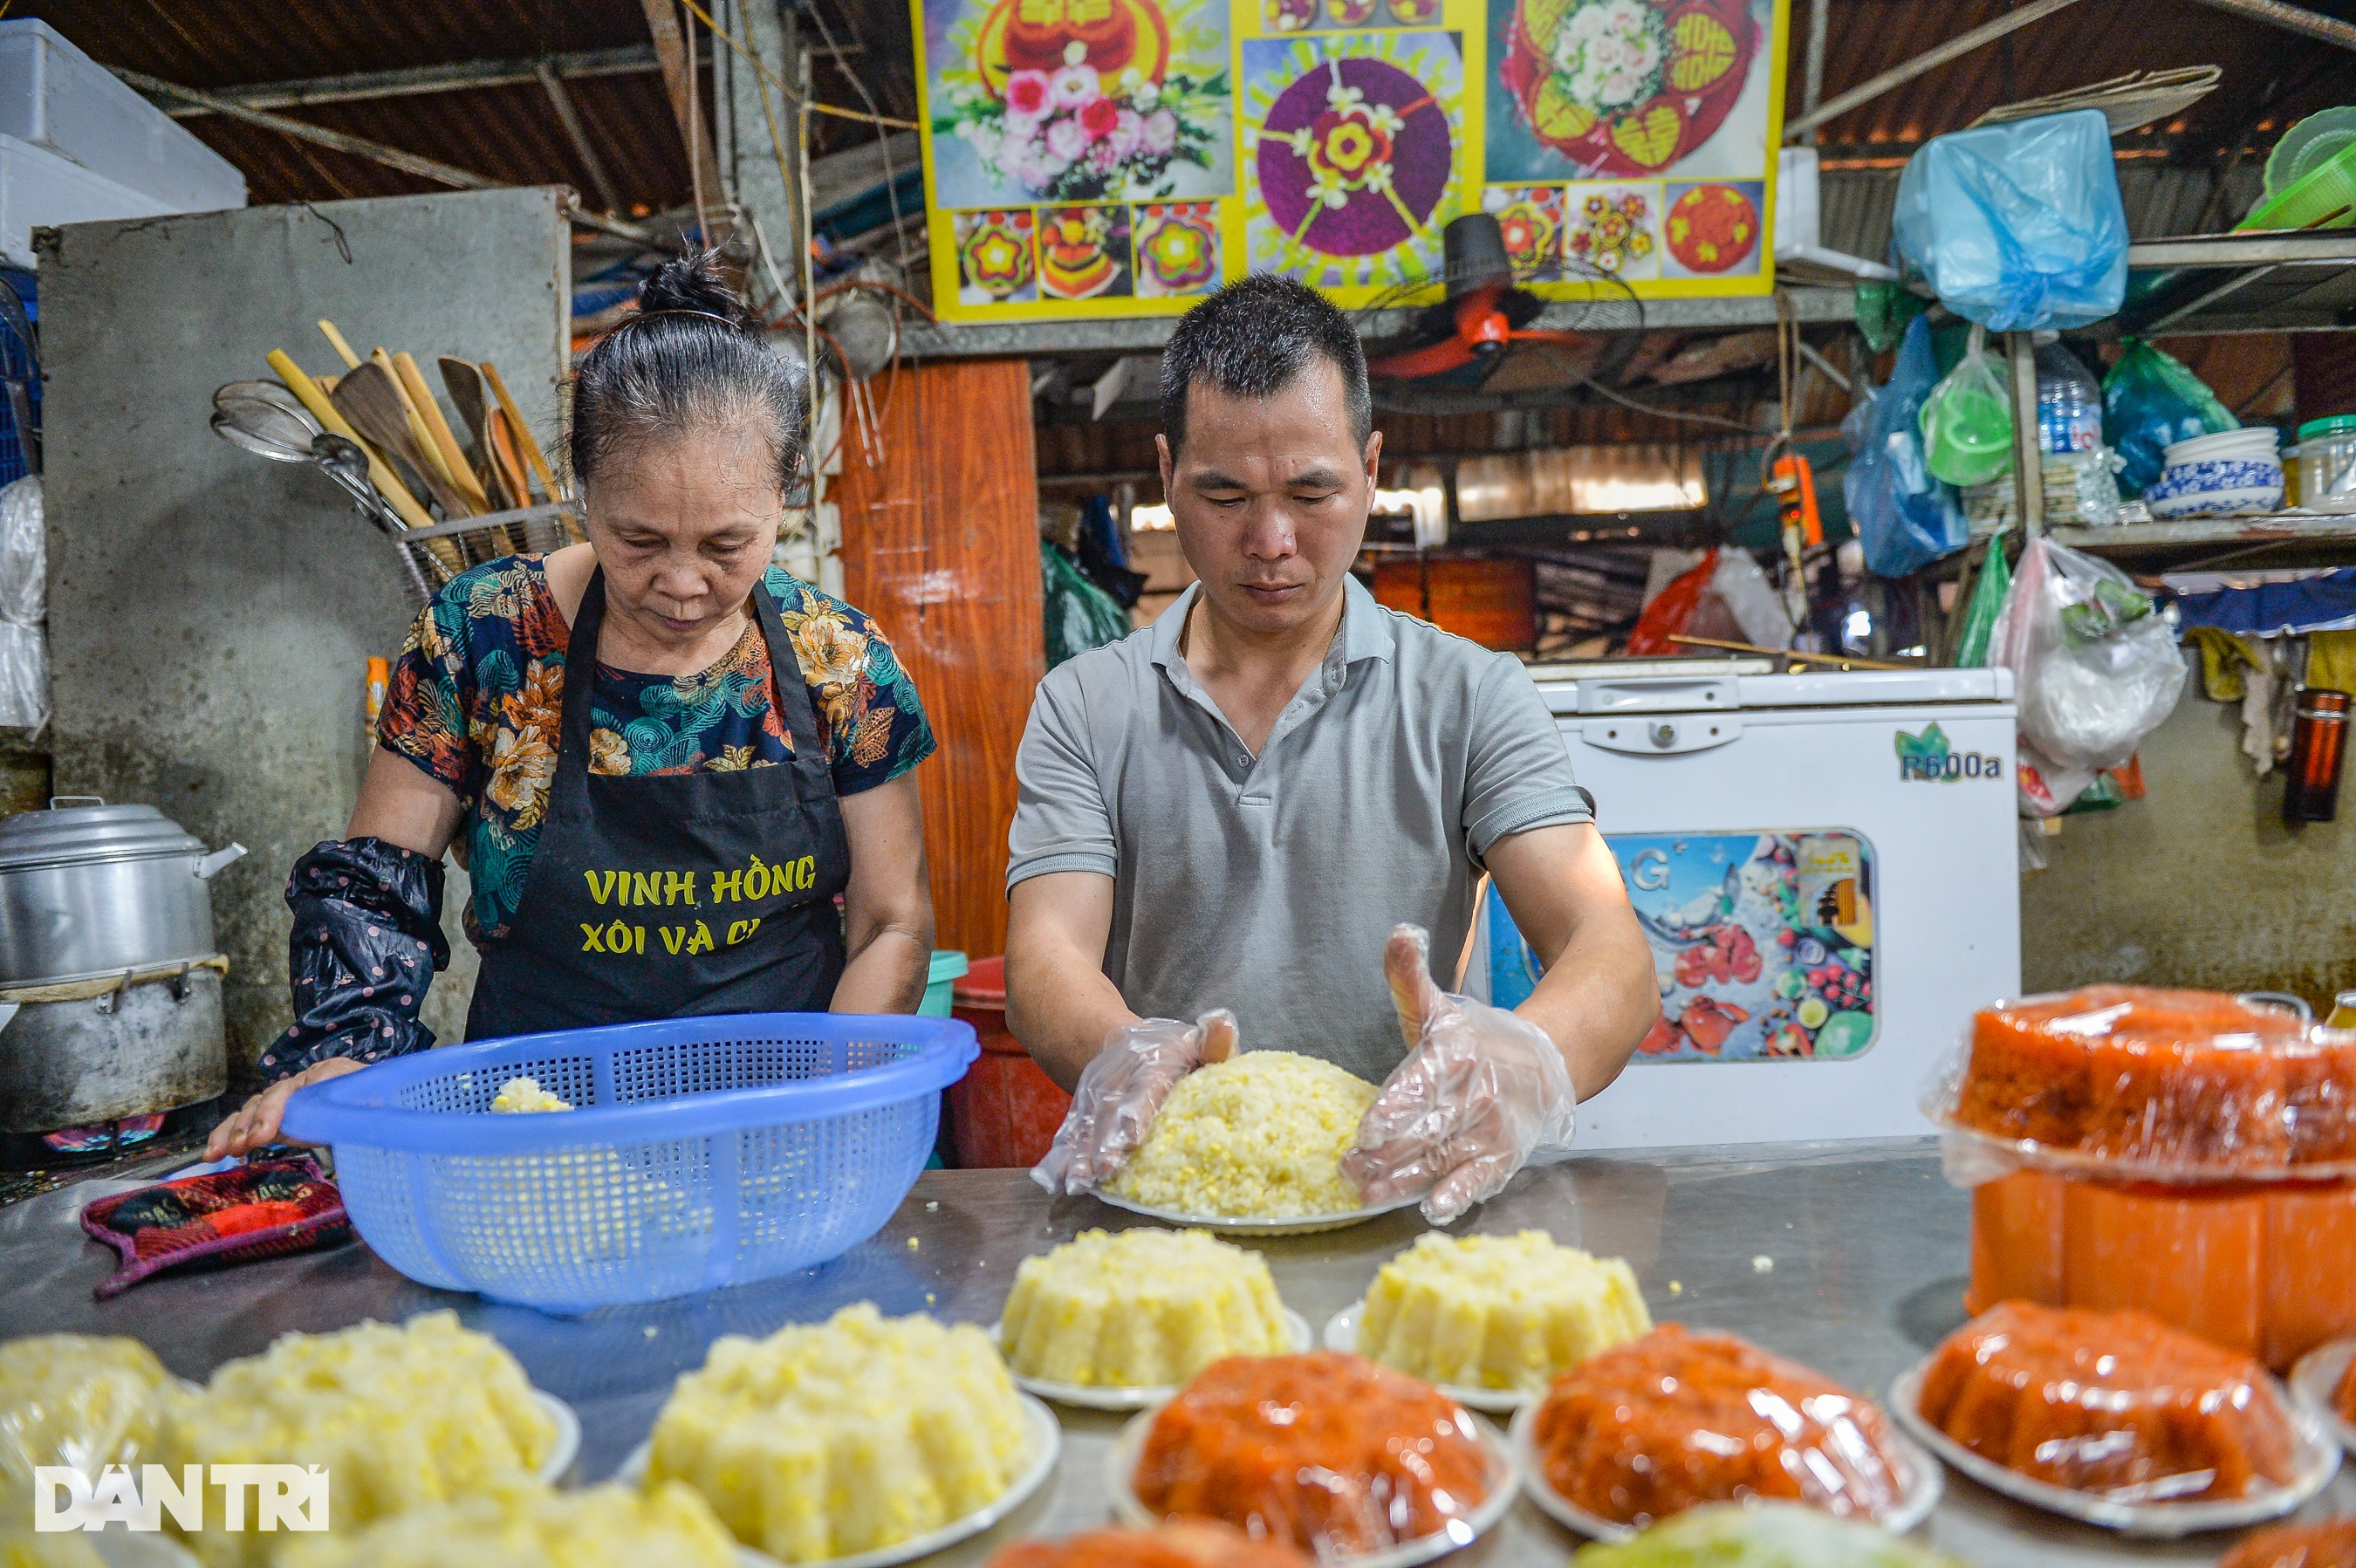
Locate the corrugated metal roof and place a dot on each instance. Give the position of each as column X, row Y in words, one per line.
column 509, row 134
column 2085, row 43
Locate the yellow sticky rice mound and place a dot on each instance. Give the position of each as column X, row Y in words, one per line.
column 1258, row 1136
column 401, row 1418
column 523, row 1524
column 1145, row 1308
column 79, row 1400
column 860, row 1433
column 1497, row 1312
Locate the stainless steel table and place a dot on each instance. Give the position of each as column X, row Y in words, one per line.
column 1848, row 1257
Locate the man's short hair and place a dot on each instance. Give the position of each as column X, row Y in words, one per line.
column 1252, row 339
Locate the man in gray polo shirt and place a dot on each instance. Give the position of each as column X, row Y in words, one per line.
column 1263, row 801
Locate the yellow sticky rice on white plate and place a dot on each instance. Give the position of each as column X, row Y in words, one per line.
column 829, row 1439
column 1497, row 1312
column 523, row 1524
column 1146, row 1308
column 1258, row 1136
column 400, row 1417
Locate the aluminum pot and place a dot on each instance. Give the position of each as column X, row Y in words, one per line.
column 79, row 1053
column 95, row 889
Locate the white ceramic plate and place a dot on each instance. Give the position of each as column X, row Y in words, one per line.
column 1924, row 1485
column 2318, row 1458
column 1046, row 1444
column 1121, row 1470
column 1090, row 1396
column 1228, row 1225
column 2316, row 1378
column 1342, row 1333
column 568, row 1436
column 2250, row 441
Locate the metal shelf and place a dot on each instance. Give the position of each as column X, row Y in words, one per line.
column 2286, row 539
column 1146, row 334
column 2286, row 281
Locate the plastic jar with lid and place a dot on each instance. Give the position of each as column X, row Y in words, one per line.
column 2326, row 464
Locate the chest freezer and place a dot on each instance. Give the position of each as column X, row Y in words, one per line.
column 1826, row 869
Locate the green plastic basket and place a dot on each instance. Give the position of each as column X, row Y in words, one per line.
column 2323, row 197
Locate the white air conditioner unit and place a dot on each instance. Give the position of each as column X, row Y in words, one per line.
column 1799, row 255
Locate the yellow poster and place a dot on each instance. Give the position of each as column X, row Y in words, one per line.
column 1090, row 158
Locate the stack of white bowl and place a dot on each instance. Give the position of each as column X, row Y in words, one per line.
column 2231, row 472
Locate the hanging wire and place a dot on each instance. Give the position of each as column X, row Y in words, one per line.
column 883, row 135
column 695, row 139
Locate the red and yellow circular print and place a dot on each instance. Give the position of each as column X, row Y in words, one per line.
column 1711, row 229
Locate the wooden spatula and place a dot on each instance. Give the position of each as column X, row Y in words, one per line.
column 417, row 430
column 509, row 467
column 454, row 465
column 464, row 379
column 371, row 398
column 323, row 409
column 520, row 428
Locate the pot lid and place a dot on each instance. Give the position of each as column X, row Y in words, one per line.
column 63, row 834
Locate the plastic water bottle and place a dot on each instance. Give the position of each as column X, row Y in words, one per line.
column 2069, row 400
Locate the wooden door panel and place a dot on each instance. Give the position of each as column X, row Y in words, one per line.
column 941, row 546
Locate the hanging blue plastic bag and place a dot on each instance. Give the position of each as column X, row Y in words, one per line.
column 2150, row 402
column 2018, row 226
column 1904, row 518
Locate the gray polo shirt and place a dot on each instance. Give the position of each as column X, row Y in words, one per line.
column 1268, row 884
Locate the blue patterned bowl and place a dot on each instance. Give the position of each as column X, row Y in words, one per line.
column 2218, row 486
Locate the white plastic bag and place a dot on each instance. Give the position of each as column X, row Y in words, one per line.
column 2095, row 660
column 24, row 607
column 1743, row 588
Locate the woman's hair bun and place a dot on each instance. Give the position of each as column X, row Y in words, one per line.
column 691, row 281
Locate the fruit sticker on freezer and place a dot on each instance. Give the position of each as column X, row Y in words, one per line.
column 1762, row 943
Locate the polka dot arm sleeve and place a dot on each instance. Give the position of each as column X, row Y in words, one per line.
column 366, row 943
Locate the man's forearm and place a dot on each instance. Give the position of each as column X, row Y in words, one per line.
column 1062, row 1008
column 1595, row 1003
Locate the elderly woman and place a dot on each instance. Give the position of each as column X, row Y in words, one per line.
column 668, row 756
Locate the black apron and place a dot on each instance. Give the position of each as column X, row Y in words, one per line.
column 667, row 895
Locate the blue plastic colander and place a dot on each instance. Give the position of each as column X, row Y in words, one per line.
column 706, row 1152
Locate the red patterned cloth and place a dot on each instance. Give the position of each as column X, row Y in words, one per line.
column 229, row 1217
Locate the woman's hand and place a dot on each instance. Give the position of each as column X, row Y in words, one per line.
column 257, row 1123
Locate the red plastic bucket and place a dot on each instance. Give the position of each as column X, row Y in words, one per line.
column 1004, row 1112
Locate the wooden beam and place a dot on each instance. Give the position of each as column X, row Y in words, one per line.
column 375, row 152
column 560, row 98
column 2295, row 18
column 1929, row 59
column 670, row 48
column 454, row 77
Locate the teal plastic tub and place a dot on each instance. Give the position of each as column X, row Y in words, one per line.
column 948, row 967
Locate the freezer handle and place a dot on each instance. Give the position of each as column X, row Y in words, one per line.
column 1641, row 734
column 1658, row 694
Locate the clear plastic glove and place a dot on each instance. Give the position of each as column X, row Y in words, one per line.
column 1480, row 1091
column 1120, row 1092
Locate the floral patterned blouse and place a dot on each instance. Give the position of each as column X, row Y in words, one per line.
column 477, row 696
